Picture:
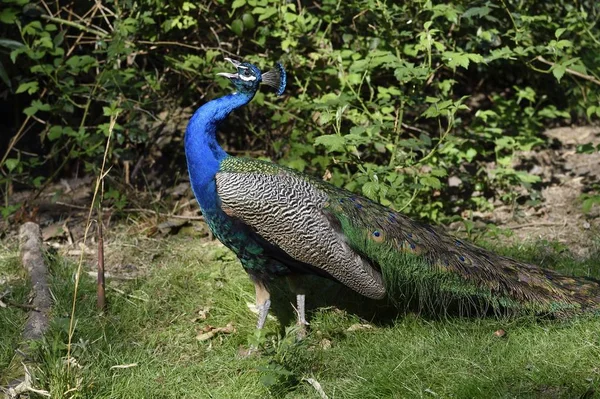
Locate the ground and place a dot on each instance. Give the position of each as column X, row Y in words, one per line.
column 180, row 312
column 565, row 176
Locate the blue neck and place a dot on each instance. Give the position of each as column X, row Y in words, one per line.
column 203, row 152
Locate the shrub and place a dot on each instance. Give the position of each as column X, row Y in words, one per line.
column 387, row 99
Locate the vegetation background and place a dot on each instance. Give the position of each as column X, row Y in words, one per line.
column 391, row 99
column 420, row 105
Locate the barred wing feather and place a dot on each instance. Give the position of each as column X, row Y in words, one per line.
column 287, row 211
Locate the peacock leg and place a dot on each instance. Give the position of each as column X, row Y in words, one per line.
column 263, row 303
column 301, row 322
column 300, row 300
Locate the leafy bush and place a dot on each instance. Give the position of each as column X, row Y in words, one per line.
column 389, row 99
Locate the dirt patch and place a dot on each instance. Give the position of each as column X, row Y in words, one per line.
column 565, row 176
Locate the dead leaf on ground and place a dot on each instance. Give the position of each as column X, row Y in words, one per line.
column 325, row 344
column 53, row 231
column 171, row 226
column 202, row 314
column 209, row 331
column 358, row 326
column 500, row 333
column 123, row 366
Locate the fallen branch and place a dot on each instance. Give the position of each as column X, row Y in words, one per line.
column 25, row 386
column 33, row 260
column 19, row 305
column 32, row 256
column 315, row 384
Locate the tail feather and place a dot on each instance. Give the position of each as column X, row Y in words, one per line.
column 426, row 266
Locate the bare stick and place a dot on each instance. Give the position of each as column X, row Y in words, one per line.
column 101, row 297
column 99, row 179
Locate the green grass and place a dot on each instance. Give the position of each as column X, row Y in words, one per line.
column 13, row 289
column 153, row 322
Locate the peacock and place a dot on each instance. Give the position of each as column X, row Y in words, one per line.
column 283, row 223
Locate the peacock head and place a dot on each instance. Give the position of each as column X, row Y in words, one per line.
column 248, row 77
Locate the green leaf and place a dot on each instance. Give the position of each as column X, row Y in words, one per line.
column 10, row 44
column 527, row 178
column 289, row 17
column 559, row 32
column 29, row 87
column 238, row 4
column 470, row 154
column 36, row 105
column 561, row 44
column 558, row 71
column 4, row 76
column 332, row 142
column 8, row 16
column 265, row 13
column 476, row 12
column 454, row 59
column 439, row 172
column 11, row 164
column 589, row 202
column 431, row 181
column 248, row 20
column 476, row 58
column 237, row 26
column 112, row 110
column 187, row 6
column 54, row 133
column 81, row 63
column 370, row 190
column 587, row 148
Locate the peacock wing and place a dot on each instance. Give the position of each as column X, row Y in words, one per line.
column 286, row 209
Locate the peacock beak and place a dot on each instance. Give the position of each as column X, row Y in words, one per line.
column 233, row 62
column 229, row 75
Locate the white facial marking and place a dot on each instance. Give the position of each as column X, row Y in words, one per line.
column 247, row 78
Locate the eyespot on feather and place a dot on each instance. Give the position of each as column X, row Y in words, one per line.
column 377, row 236
column 464, row 259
